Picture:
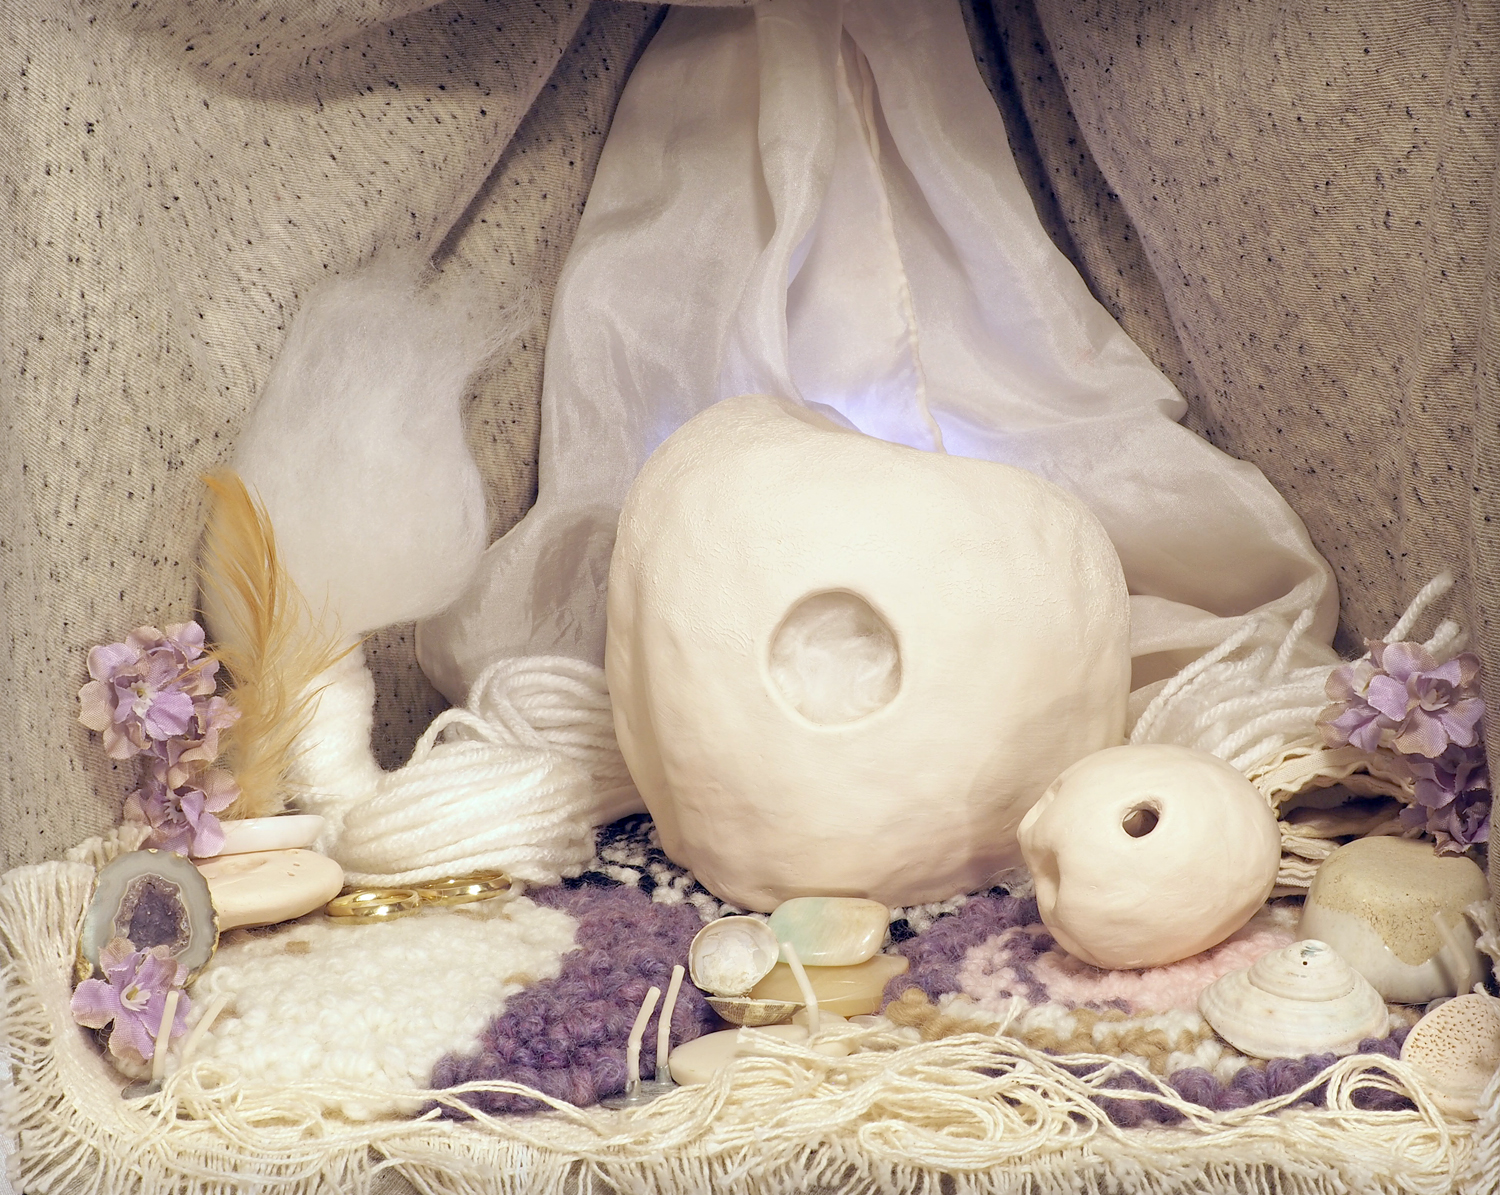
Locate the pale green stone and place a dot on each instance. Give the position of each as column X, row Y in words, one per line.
column 831, row 931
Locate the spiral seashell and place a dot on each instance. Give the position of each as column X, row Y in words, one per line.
column 730, row 956
column 1301, row 999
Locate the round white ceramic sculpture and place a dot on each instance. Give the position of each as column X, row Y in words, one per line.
column 1456, row 1048
column 1146, row 854
column 844, row 667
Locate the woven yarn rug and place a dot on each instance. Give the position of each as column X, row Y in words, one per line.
column 981, row 962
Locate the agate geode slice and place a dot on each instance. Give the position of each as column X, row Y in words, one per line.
column 153, row 898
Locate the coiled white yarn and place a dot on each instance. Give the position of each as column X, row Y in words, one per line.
column 1246, row 704
column 515, row 779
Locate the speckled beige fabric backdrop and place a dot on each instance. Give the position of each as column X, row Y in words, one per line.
column 1289, row 208
column 176, row 177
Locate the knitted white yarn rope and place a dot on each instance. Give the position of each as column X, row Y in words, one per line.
column 514, row 779
column 1248, row 706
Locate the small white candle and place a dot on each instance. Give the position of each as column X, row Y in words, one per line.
column 664, row 1026
column 164, row 1036
column 200, row 1030
column 809, row 997
column 633, row 1044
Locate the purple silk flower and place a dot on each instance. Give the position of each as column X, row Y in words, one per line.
column 133, row 995
column 182, row 817
column 154, row 693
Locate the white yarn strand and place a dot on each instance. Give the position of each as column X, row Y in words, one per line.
column 1248, row 706
column 514, row 779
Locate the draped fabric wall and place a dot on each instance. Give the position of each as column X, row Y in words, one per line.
column 1292, row 215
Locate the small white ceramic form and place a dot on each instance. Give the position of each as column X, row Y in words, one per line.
column 1146, row 854
column 831, row 931
column 847, row 991
column 287, row 831
column 1301, row 999
column 1378, row 902
column 843, row 666
column 1456, row 1049
column 270, row 886
column 729, row 956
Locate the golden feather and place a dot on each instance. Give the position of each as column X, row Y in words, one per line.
column 265, row 637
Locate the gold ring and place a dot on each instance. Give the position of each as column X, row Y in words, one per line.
column 463, row 890
column 373, row 904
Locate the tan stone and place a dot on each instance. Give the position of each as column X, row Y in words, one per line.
column 848, row 991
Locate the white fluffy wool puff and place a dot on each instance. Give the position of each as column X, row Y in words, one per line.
column 357, row 445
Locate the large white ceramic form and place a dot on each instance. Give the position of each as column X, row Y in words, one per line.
column 845, row 667
column 1146, row 854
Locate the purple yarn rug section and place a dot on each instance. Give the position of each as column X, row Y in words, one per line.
column 567, row 1036
column 936, row 955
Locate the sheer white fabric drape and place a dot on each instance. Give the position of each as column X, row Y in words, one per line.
column 816, row 199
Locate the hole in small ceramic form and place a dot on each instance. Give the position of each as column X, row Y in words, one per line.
column 834, row 658
column 1141, row 820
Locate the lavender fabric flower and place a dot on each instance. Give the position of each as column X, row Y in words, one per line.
column 154, row 688
column 182, row 817
column 1403, row 699
column 1452, row 799
column 133, row 995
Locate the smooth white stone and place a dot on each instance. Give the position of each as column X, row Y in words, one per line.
column 269, row 886
column 699, row 1060
column 831, row 931
column 288, row 831
column 1373, row 901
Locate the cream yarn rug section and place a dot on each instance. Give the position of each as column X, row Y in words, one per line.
column 369, row 1006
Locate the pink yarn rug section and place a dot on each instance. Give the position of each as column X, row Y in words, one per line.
column 1018, row 961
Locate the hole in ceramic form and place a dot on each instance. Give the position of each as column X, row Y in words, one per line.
column 835, row 659
column 1140, row 821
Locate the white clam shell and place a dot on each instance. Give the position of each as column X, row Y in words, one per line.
column 1301, row 999
column 730, row 956
column 1456, row 1049
column 742, row 1010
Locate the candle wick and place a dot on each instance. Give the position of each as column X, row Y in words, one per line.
column 633, row 1045
column 809, row 997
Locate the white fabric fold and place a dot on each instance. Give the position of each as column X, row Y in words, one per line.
column 816, row 199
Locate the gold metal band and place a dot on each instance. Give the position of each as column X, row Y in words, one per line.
column 373, row 904
column 463, row 890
